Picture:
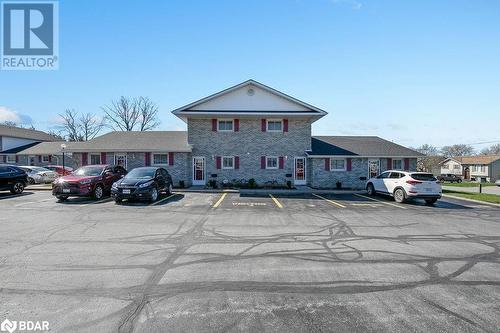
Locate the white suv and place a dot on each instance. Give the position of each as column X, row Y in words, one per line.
column 403, row 185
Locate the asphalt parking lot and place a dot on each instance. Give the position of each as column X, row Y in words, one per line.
column 212, row 262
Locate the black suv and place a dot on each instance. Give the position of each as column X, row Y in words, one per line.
column 12, row 179
column 449, row 177
column 142, row 183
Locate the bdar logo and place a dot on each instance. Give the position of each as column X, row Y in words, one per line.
column 8, row 326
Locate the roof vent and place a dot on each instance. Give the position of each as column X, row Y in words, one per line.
column 250, row 92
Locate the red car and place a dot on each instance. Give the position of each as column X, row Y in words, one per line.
column 60, row 170
column 88, row 181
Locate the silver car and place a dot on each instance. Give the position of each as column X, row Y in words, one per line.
column 39, row 175
column 497, row 183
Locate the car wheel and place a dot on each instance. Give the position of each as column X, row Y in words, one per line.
column 430, row 202
column 370, row 190
column 169, row 189
column 17, row 188
column 62, row 197
column 31, row 181
column 118, row 200
column 98, row 192
column 154, row 194
column 459, row 181
column 399, row 195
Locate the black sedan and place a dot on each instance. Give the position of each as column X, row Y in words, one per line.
column 12, row 179
column 144, row 183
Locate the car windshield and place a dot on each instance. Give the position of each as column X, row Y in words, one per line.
column 88, row 171
column 428, row 177
column 143, row 173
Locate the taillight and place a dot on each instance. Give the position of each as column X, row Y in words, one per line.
column 413, row 182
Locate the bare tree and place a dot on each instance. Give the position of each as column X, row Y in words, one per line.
column 128, row 114
column 492, row 150
column 57, row 134
column 457, row 150
column 10, row 123
column 431, row 159
column 148, row 111
column 70, row 126
column 90, row 126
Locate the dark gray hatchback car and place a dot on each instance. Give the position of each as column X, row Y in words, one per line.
column 144, row 183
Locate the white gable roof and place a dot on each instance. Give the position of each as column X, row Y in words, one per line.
column 249, row 97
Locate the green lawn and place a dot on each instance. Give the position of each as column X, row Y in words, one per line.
column 463, row 184
column 493, row 198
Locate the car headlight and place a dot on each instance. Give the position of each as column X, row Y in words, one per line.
column 145, row 184
column 115, row 185
column 85, row 181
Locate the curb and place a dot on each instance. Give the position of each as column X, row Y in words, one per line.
column 38, row 188
column 471, row 200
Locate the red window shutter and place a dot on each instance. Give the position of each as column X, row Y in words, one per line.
column 236, row 162
column 170, row 158
column 407, row 164
column 103, row 158
column 263, row 125
column 214, row 125
column 285, row 125
column 147, row 159
column 389, row 163
column 349, row 164
column 262, row 162
column 327, row 164
column 17, row 159
column 40, row 158
column 85, row 158
column 236, row 125
column 281, row 161
column 218, row 162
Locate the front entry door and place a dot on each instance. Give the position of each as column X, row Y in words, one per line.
column 373, row 168
column 300, row 171
column 199, row 171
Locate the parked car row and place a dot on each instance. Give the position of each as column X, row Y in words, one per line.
column 449, row 177
column 97, row 181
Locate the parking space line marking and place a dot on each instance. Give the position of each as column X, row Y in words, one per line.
column 164, row 199
column 276, row 202
column 217, row 204
column 25, row 203
column 385, row 203
column 367, row 204
column 329, row 201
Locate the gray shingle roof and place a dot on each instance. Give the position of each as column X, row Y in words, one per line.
column 25, row 133
column 153, row 141
column 367, row 146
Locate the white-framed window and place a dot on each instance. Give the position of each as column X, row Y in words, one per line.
column 274, row 125
column 225, row 125
column 121, row 160
column 95, row 159
column 227, row 162
column 271, row 162
column 337, row 164
column 456, row 167
column 45, row 159
column 160, row 159
column 446, row 166
column 397, row 164
column 11, row 159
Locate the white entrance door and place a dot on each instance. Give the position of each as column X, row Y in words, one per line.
column 373, row 168
column 121, row 160
column 199, row 171
column 300, row 171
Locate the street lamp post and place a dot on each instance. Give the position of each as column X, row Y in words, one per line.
column 63, row 147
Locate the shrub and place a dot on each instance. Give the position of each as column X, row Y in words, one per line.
column 182, row 184
column 212, row 183
column 288, row 184
column 252, row 183
column 339, row 185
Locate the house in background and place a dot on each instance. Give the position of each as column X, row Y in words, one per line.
column 15, row 139
column 481, row 168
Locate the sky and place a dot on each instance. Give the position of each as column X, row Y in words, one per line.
column 413, row 72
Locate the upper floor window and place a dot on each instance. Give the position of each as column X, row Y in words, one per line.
column 445, row 166
column 228, row 162
column 397, row 164
column 337, row 165
column 225, row 125
column 456, row 167
column 274, row 125
column 160, row 159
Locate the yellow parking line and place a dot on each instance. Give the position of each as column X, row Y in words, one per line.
column 329, row 201
column 217, row 204
column 385, row 203
column 276, row 202
column 164, row 199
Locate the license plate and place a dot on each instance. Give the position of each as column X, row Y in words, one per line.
column 66, row 190
column 126, row 191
